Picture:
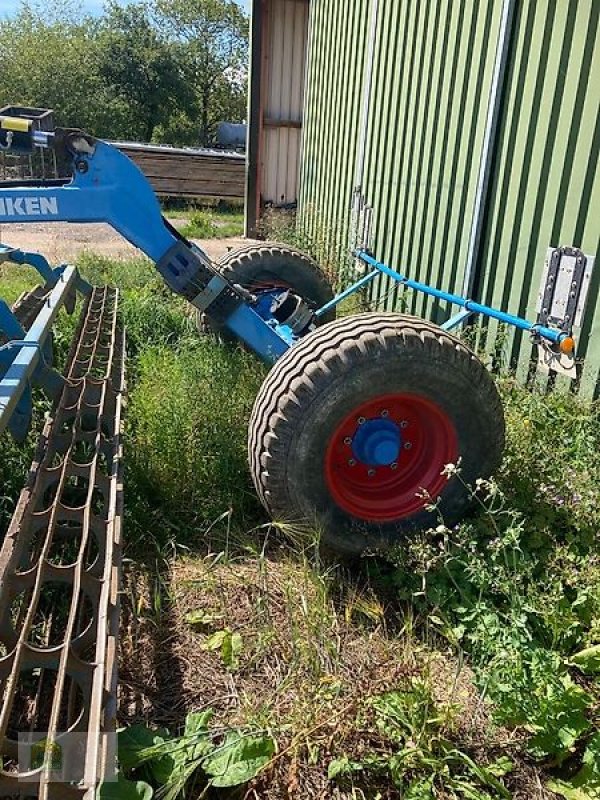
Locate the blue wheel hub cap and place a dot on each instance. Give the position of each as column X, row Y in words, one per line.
column 377, row 442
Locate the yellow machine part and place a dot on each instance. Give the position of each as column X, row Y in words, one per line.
column 16, row 124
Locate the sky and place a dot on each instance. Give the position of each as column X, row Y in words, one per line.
column 8, row 7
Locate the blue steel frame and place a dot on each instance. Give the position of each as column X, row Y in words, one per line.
column 23, row 360
column 108, row 187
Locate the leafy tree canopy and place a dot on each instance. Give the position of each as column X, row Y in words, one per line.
column 155, row 70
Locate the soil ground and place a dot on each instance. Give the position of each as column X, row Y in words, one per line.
column 62, row 241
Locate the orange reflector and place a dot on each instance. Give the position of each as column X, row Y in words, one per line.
column 567, row 345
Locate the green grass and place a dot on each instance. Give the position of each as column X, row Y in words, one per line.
column 209, row 222
column 16, row 280
column 189, row 402
column 187, row 438
column 463, row 666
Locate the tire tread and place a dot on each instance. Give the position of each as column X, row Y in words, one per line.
column 279, row 398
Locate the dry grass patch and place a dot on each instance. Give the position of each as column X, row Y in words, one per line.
column 274, row 645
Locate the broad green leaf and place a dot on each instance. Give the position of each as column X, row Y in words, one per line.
column 137, row 745
column 458, row 631
column 197, row 721
column 202, row 618
column 420, row 789
column 563, row 722
column 339, row 767
column 229, row 643
column 500, row 767
column 585, row 785
column 238, row 759
column 591, row 756
column 231, row 649
column 122, row 789
column 215, row 641
column 588, row 660
column 196, row 731
column 437, row 620
column 186, row 750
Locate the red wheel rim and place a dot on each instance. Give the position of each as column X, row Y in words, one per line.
column 371, row 490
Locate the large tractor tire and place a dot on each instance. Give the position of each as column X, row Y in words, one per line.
column 261, row 267
column 353, row 428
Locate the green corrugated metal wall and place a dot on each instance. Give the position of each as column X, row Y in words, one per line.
column 432, row 71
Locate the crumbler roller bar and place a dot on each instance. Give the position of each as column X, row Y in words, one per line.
column 59, row 580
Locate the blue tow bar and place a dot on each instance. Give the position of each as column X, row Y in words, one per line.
column 469, row 306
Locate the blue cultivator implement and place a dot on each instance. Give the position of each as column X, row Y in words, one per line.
column 350, row 433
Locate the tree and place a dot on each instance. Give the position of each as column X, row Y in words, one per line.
column 166, row 70
column 214, row 38
column 141, row 67
column 48, row 59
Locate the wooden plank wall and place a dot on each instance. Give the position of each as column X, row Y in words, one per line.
column 193, row 174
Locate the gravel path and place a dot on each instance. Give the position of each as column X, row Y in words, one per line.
column 61, row 241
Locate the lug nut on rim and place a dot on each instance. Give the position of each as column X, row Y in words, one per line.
column 361, row 420
column 407, row 445
column 403, row 424
column 351, row 462
column 394, row 465
column 371, row 473
column 347, row 440
column 385, row 413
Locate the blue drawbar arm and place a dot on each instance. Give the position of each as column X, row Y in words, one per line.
column 107, row 187
column 556, row 337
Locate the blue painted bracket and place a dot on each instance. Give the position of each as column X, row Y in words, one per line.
column 20, row 420
column 456, row 321
column 9, row 324
column 22, row 362
column 347, row 292
column 49, row 275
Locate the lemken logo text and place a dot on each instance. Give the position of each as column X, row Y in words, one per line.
column 28, row 206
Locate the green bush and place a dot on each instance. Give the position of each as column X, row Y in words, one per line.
column 517, row 585
column 210, row 223
column 201, row 225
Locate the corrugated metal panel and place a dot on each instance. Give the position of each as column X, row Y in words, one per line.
column 284, row 70
column 547, row 188
column 432, row 70
column 432, row 66
column 332, row 117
